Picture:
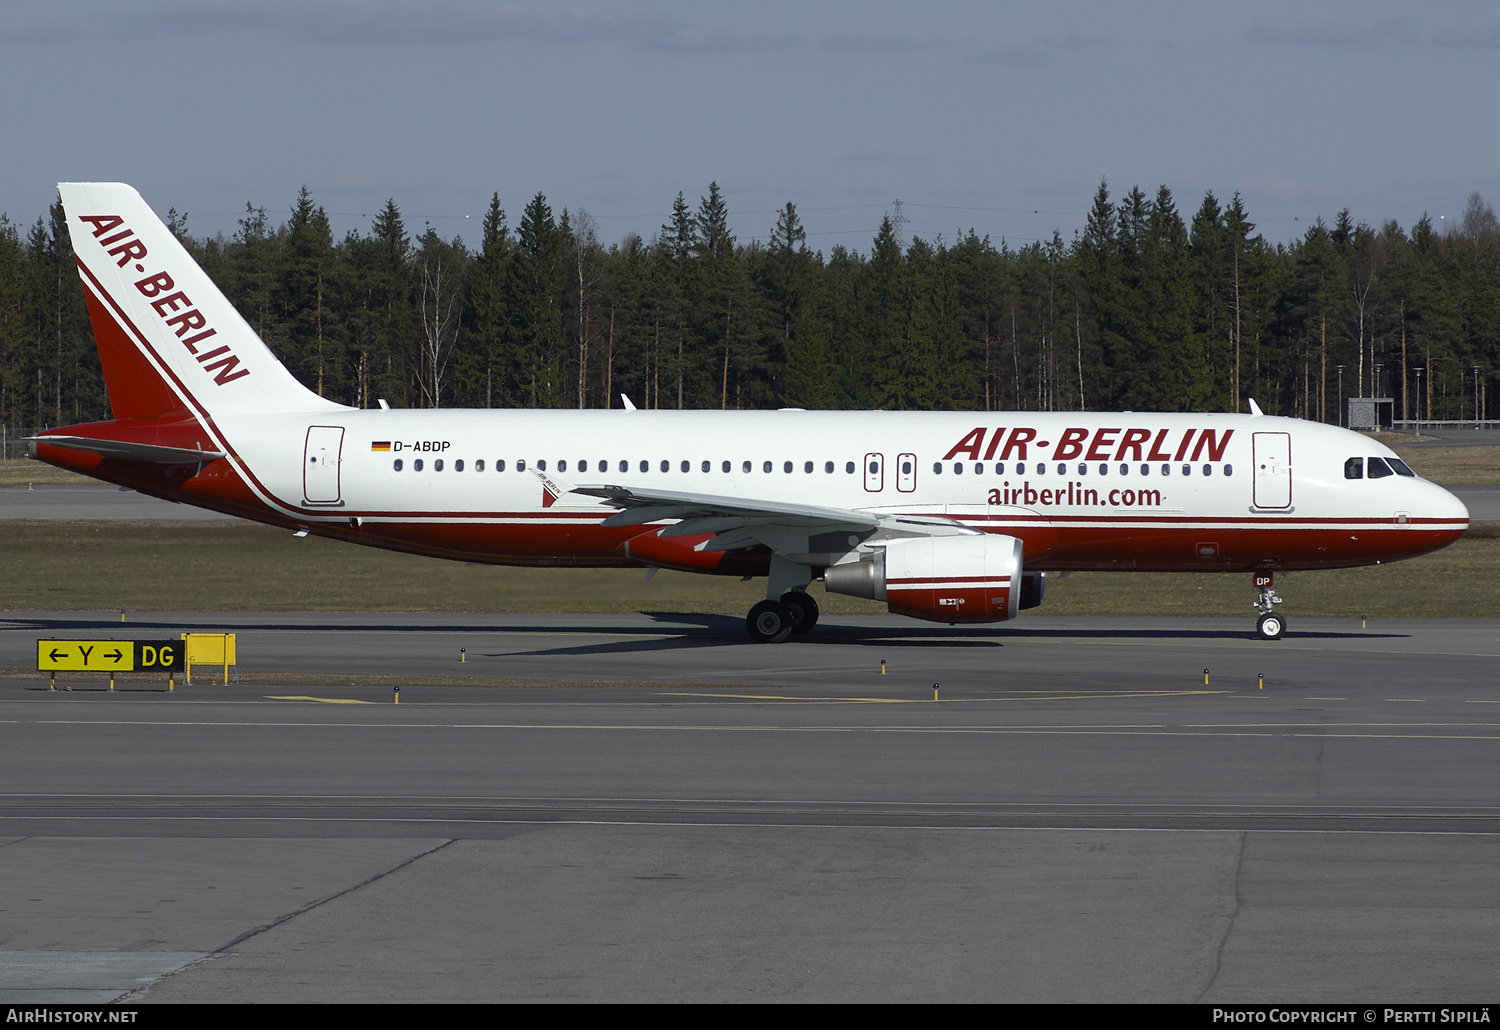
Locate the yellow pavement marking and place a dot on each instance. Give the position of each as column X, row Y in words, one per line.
column 1024, row 696
column 322, row 700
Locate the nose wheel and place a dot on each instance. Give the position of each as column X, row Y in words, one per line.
column 1270, row 625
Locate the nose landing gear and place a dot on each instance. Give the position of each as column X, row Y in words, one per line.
column 1270, row 626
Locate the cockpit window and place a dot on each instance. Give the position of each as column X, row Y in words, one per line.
column 1354, row 468
column 1378, row 468
column 1402, row 469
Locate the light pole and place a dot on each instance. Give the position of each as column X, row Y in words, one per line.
column 1419, row 401
column 1475, row 370
column 1341, row 398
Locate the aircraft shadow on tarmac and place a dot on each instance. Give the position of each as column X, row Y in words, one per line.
column 718, row 630
column 694, row 630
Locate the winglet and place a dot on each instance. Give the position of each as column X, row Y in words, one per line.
column 629, row 404
column 1255, row 411
column 552, row 489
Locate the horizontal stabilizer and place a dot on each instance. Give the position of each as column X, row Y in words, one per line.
column 129, row 450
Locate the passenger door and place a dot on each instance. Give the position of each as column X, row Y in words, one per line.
column 1273, row 469
column 320, row 465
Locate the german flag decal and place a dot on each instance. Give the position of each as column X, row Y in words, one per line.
column 380, row 445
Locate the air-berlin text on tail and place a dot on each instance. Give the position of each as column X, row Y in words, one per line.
column 1122, row 444
column 170, row 303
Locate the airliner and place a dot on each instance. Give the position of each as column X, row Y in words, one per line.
column 953, row 517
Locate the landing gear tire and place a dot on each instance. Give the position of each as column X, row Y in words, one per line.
column 1270, row 626
column 770, row 622
column 804, row 610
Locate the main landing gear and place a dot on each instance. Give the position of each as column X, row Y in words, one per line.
column 1269, row 626
column 772, row 622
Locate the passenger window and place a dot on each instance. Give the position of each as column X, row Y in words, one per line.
column 906, row 468
column 542, row 465
column 937, row 468
column 707, row 465
column 500, row 465
column 1187, row 470
column 849, row 467
column 999, row 468
column 1354, row 468
column 725, row 466
column 624, row 465
column 958, row 468
column 1145, row 469
column 1378, row 468
column 979, row 468
column 583, row 465
column 645, row 465
column 458, row 466
column 1083, row 469
column 828, row 467
column 479, row 465
column 1228, row 470
column 1020, row 468
column 765, row 466
column 520, row 464
column 666, row 466
column 1103, row 469
column 1041, row 468
column 1062, row 470
column 398, row 464
column 437, row 466
column 1124, row 469
column 1166, row 469
column 807, row 466
column 786, row 466
column 687, row 466
column 416, row 466
column 1208, row 470
column 562, row 466
column 745, row 467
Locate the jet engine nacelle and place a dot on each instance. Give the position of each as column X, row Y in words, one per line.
column 940, row 579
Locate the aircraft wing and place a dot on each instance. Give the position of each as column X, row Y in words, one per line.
column 745, row 522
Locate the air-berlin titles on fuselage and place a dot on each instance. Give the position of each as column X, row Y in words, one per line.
column 171, row 304
column 1103, row 445
column 1077, row 444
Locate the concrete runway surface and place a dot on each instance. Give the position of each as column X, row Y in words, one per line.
column 1078, row 818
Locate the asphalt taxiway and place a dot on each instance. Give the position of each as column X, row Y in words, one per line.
column 651, row 808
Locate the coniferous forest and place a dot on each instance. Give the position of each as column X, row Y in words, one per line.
column 1148, row 308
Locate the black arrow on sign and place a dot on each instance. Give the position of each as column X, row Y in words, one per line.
column 54, row 654
column 115, row 655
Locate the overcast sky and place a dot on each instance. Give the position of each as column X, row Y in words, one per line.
column 998, row 117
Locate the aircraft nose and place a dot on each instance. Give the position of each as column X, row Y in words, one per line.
column 1440, row 505
column 1450, row 507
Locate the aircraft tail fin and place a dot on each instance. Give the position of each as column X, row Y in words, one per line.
column 169, row 341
